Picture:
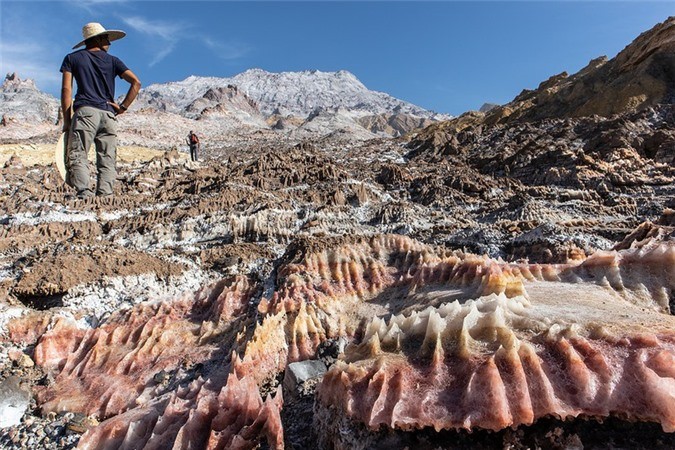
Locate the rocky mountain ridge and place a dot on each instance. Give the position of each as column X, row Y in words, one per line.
column 640, row 76
column 291, row 100
column 287, row 93
column 607, row 126
column 22, row 100
column 300, row 104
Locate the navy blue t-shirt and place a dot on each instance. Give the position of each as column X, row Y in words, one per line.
column 95, row 74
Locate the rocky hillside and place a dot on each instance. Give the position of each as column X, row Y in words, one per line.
column 226, row 101
column 22, row 100
column 641, row 75
column 608, row 127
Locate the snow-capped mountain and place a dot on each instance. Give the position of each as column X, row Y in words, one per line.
column 287, row 93
column 290, row 94
column 311, row 101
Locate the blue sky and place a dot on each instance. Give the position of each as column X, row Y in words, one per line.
column 447, row 56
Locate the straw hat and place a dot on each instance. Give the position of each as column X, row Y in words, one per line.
column 95, row 29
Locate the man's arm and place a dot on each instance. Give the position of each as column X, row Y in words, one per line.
column 135, row 87
column 66, row 98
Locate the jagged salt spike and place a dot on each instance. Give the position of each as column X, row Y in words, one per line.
column 439, row 353
column 419, row 325
column 300, row 323
column 392, row 337
column 449, row 310
column 495, row 319
column 549, row 272
column 314, row 322
column 472, row 317
column 527, row 273
column 614, row 278
column 400, row 321
column 435, row 327
column 455, row 322
column 379, row 378
column 554, row 332
column 465, row 341
column 486, row 303
column 376, row 326
column 519, row 304
column 408, row 323
column 507, row 339
column 373, row 345
column 661, row 296
column 572, row 331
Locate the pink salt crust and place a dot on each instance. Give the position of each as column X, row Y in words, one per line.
column 438, row 339
column 575, row 347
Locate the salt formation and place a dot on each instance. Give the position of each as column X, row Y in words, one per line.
column 563, row 350
column 438, row 339
column 141, row 369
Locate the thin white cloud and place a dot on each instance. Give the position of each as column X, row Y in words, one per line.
column 92, row 6
column 164, row 30
column 164, row 33
column 226, row 50
column 167, row 35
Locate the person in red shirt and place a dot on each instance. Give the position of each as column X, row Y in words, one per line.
column 193, row 142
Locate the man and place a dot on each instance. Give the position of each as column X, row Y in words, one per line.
column 193, row 141
column 95, row 110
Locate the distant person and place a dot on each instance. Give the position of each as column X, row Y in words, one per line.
column 193, row 141
column 95, row 110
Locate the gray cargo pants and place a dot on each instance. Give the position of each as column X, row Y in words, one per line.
column 100, row 126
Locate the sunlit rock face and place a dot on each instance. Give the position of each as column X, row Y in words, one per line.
column 639, row 76
column 593, row 339
column 438, row 339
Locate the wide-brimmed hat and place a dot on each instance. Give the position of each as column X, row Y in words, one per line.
column 93, row 29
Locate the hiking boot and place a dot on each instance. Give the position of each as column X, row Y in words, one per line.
column 87, row 193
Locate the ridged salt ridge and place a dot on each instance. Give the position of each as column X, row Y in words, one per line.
column 234, row 416
column 266, row 224
column 490, row 337
column 365, row 269
column 561, row 369
column 356, row 271
column 131, row 348
column 643, row 276
column 513, row 385
column 458, row 328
